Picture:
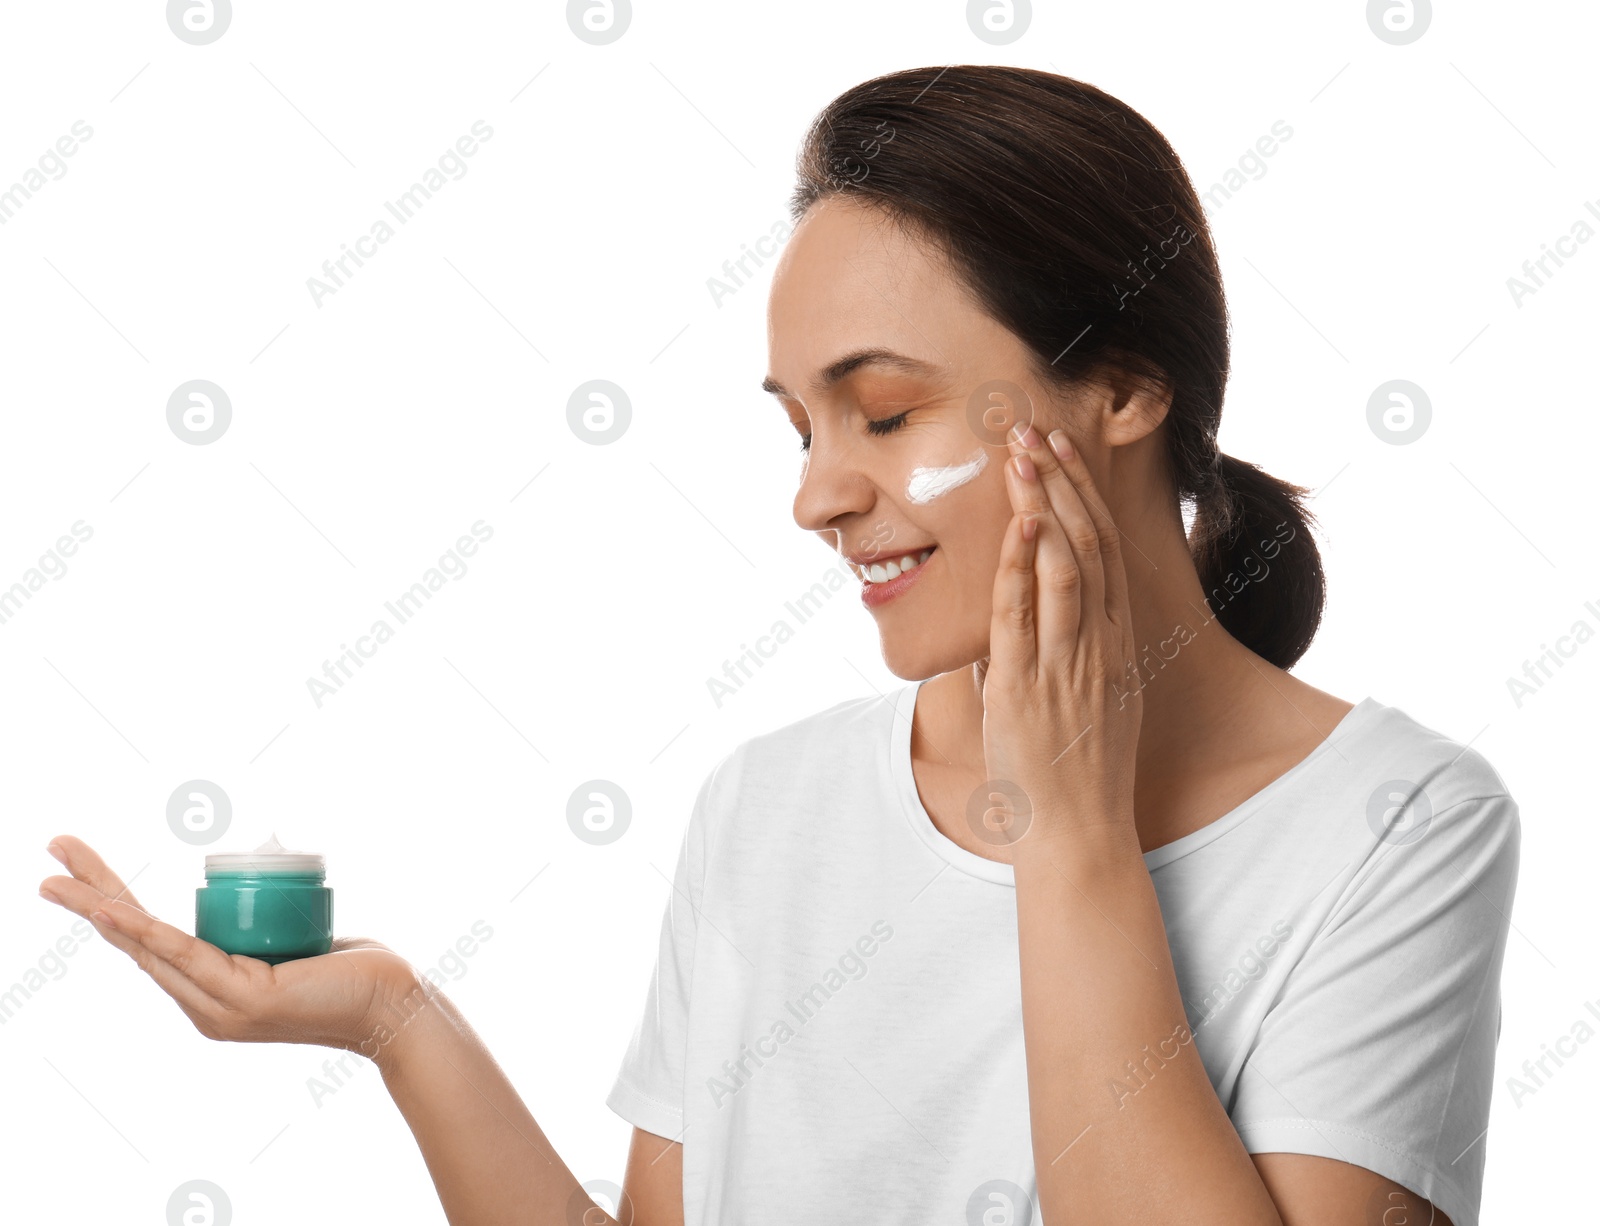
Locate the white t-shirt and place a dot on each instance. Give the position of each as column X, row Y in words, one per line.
column 834, row 1025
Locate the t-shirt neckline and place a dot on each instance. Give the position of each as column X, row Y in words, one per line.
column 903, row 704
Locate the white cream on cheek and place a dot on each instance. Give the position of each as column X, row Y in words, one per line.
column 926, row 484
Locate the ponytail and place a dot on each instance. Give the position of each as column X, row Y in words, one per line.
column 1262, row 575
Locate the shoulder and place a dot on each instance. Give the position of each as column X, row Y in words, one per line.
column 841, row 740
column 1395, row 748
column 1430, row 824
column 1382, row 748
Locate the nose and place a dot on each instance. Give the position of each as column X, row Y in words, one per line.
column 833, row 489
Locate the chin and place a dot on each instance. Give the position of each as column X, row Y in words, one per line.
column 921, row 657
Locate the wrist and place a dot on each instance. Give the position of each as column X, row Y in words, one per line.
column 1078, row 850
column 406, row 1006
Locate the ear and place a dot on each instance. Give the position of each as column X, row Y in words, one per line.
column 1127, row 408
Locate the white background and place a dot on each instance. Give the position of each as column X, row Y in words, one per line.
column 369, row 432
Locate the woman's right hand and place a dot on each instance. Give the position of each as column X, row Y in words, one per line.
column 357, row 997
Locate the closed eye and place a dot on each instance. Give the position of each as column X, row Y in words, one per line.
column 888, row 425
column 878, row 428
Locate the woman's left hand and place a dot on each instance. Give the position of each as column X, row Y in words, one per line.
column 1061, row 701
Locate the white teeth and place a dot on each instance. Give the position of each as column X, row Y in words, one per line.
column 882, row 572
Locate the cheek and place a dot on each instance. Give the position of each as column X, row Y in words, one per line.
column 971, row 549
column 928, row 483
column 970, row 526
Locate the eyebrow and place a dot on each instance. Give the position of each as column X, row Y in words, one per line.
column 837, row 370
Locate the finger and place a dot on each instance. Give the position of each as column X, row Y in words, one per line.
column 196, row 1003
column 76, row 896
column 200, row 962
column 1013, row 645
column 103, row 913
column 1057, row 583
column 1113, row 568
column 84, row 863
column 1078, row 525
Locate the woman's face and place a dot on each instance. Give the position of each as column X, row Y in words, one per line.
column 907, row 390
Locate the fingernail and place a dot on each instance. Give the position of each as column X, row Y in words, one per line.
column 54, row 849
column 1025, row 468
column 48, row 896
column 104, row 918
column 1060, row 444
column 1030, row 437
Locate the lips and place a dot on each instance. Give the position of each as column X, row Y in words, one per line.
column 874, row 594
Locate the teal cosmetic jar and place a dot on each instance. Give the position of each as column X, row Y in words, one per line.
column 269, row 903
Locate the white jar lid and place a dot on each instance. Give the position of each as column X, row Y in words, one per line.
column 270, row 857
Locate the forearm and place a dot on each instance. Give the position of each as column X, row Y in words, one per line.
column 1126, row 1125
column 489, row 1160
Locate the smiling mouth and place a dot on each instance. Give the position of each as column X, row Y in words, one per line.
column 891, row 568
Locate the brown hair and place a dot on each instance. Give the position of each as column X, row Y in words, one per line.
column 1075, row 225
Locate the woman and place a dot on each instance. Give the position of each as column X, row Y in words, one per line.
column 1107, row 915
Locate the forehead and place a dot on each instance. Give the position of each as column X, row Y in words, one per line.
column 851, row 276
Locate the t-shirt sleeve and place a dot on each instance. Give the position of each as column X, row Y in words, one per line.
column 1380, row 1049
column 649, row 1088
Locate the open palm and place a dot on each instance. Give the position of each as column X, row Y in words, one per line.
column 355, row 997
